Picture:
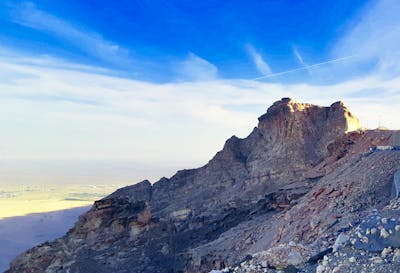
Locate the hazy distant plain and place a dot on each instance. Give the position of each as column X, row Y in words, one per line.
column 33, row 186
column 18, row 200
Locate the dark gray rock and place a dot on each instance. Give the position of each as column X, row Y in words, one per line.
column 377, row 231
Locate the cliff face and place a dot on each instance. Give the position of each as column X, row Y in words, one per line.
column 305, row 130
column 302, row 174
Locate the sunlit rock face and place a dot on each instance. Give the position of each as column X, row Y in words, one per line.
column 304, row 130
column 301, row 175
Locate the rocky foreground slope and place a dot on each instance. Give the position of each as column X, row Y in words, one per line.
column 303, row 176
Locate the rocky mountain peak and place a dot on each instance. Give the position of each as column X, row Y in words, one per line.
column 303, row 174
column 288, row 111
column 305, row 130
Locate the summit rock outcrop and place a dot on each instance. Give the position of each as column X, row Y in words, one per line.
column 303, row 174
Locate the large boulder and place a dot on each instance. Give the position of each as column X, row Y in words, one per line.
column 283, row 256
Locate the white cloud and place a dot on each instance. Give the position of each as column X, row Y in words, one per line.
column 54, row 111
column 65, row 113
column 374, row 37
column 195, row 68
column 28, row 15
column 368, row 47
column 301, row 60
column 261, row 65
column 298, row 56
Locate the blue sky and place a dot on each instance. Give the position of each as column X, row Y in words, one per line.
column 147, row 39
column 165, row 83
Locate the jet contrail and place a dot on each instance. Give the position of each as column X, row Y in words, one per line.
column 304, row 67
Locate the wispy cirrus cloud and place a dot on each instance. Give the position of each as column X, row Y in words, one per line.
column 261, row 65
column 300, row 59
column 195, row 68
column 374, row 37
column 70, row 112
column 54, row 114
column 92, row 43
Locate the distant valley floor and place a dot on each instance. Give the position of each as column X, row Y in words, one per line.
column 33, row 214
column 19, row 200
